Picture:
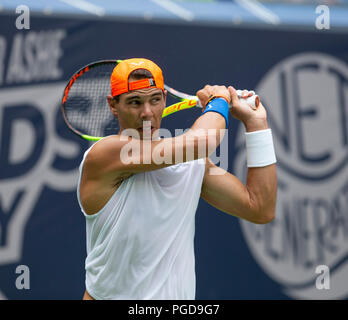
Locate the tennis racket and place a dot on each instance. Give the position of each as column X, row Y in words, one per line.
column 85, row 108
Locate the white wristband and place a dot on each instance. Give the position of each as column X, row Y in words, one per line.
column 259, row 148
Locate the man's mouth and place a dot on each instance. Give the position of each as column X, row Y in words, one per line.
column 146, row 128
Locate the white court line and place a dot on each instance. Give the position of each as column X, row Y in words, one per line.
column 175, row 9
column 86, row 6
column 258, row 10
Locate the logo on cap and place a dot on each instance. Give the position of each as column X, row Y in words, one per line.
column 137, row 63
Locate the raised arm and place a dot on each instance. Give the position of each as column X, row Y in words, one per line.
column 122, row 153
column 256, row 200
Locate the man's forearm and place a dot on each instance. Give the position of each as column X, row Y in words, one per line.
column 262, row 187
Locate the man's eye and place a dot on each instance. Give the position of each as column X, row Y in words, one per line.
column 134, row 102
column 155, row 100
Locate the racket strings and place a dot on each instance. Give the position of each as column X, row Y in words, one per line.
column 86, row 107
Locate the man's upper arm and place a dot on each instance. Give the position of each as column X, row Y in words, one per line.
column 254, row 202
column 116, row 154
column 225, row 192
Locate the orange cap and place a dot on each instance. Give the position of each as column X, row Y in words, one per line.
column 120, row 75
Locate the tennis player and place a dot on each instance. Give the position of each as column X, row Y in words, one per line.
column 140, row 213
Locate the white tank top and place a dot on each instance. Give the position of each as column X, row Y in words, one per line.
column 140, row 245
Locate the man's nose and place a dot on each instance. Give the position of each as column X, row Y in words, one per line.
column 147, row 111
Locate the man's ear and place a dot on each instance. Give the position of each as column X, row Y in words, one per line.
column 165, row 96
column 164, row 93
column 112, row 104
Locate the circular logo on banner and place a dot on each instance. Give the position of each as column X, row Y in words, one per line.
column 306, row 98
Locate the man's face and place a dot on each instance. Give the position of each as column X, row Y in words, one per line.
column 138, row 106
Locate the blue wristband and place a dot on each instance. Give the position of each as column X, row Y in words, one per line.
column 218, row 105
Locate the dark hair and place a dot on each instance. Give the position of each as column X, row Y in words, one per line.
column 140, row 74
column 137, row 74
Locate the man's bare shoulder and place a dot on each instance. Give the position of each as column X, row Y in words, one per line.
column 102, row 153
column 106, row 142
column 105, row 146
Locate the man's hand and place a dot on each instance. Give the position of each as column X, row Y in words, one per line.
column 253, row 120
column 208, row 91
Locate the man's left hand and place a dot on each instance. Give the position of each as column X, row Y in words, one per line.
column 253, row 120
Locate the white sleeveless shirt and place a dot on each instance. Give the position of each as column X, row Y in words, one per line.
column 140, row 245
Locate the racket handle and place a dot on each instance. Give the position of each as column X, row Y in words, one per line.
column 253, row 101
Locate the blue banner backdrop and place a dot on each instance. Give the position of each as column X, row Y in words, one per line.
column 40, row 222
